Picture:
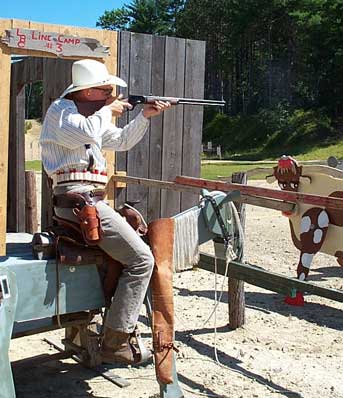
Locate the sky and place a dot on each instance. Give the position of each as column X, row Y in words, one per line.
column 83, row 13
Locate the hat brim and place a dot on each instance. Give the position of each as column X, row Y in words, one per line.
column 117, row 81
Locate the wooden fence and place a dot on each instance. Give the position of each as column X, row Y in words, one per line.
column 170, row 67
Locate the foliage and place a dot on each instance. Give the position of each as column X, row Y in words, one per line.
column 302, row 127
column 34, row 97
column 143, row 16
column 28, row 126
column 277, row 63
column 270, row 130
column 213, row 170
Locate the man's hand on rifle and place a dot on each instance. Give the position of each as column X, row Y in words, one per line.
column 150, row 110
column 118, row 105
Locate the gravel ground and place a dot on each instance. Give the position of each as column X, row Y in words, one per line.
column 281, row 351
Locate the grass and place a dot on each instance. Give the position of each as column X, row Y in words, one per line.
column 34, row 165
column 311, row 151
column 322, row 153
column 213, row 170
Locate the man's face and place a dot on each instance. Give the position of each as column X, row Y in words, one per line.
column 99, row 93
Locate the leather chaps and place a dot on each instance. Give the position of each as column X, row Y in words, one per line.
column 161, row 240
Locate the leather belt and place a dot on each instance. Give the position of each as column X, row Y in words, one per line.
column 78, row 200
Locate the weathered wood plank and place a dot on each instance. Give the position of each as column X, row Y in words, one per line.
column 236, row 286
column 173, row 122
column 31, row 224
column 193, row 115
column 124, row 72
column 252, row 200
column 16, row 157
column 49, row 95
column 33, row 70
column 5, row 79
column 110, row 39
column 51, row 69
column 155, row 149
column 53, row 42
column 140, row 82
column 267, row 280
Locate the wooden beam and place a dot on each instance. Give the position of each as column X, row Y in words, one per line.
column 257, row 276
column 248, row 199
column 110, row 39
column 294, row 197
column 236, row 286
column 31, row 223
column 5, row 79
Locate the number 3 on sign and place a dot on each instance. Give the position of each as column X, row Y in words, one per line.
column 59, row 47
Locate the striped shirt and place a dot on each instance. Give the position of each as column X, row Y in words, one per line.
column 65, row 132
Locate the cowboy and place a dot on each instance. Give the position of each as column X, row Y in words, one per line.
column 77, row 126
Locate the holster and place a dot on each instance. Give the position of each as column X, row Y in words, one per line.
column 161, row 239
column 83, row 206
column 90, row 224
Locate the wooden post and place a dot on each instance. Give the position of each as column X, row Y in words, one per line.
column 31, row 202
column 5, row 79
column 236, row 286
column 16, row 158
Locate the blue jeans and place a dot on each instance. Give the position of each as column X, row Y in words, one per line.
column 120, row 242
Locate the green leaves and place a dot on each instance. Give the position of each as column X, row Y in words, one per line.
column 144, row 16
column 260, row 55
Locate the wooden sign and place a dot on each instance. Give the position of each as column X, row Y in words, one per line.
column 56, row 43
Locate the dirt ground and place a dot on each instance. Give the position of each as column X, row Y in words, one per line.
column 281, row 351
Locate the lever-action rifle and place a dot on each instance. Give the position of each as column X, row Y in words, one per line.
column 150, row 99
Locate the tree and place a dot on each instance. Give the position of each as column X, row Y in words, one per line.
column 144, row 16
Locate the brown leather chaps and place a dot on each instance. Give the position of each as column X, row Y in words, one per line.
column 161, row 240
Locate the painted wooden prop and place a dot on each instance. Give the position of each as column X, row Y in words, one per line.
column 56, row 43
column 313, row 228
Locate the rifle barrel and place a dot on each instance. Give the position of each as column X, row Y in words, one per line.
column 190, row 101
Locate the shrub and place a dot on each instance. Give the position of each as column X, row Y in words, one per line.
column 28, row 126
column 270, row 130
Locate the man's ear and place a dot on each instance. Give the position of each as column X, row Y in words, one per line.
column 270, row 179
column 305, row 180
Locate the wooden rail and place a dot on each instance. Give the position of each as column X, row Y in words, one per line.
column 292, row 197
column 257, row 276
column 244, row 198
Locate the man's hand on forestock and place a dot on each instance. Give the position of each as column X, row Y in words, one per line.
column 150, row 110
column 117, row 105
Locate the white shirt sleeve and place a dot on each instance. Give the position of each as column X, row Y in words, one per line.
column 123, row 139
column 65, row 126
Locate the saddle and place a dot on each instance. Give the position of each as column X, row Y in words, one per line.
column 71, row 244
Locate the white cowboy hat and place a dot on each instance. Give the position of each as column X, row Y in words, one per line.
column 90, row 73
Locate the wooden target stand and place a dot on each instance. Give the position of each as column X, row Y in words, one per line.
column 67, row 36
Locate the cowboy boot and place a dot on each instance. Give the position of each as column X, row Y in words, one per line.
column 116, row 348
